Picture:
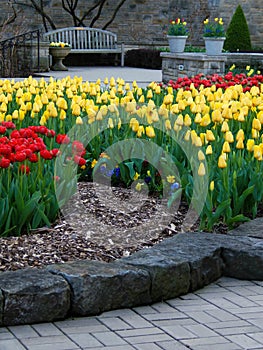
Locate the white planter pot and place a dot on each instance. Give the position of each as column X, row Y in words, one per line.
column 214, row 46
column 177, row 43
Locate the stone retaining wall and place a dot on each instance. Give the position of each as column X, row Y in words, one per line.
column 141, row 22
column 176, row 266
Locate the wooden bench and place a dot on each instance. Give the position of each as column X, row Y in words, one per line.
column 87, row 40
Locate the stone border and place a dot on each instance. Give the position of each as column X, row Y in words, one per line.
column 176, row 266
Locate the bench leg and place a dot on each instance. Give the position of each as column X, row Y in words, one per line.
column 122, row 54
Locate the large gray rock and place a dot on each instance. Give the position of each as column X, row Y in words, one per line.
column 169, row 278
column 243, row 258
column 1, row 307
column 185, row 262
column 32, row 296
column 201, row 251
column 98, row 286
column 253, row 228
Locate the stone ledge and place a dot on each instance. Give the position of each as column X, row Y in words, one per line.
column 176, row 266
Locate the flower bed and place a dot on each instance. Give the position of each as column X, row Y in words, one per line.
column 207, row 133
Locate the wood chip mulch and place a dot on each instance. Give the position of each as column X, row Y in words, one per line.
column 62, row 243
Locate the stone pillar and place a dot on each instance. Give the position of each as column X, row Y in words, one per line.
column 189, row 64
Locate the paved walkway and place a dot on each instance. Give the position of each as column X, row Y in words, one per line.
column 226, row 315
column 142, row 76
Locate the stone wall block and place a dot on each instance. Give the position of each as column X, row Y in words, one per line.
column 32, row 296
column 98, row 286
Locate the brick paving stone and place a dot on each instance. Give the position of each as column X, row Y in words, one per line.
column 85, row 340
column 222, row 302
column 118, row 347
column 225, row 346
column 245, row 342
column 148, row 347
column 82, row 325
column 212, row 341
column 117, row 313
column 179, row 332
column 257, row 336
column 5, row 334
column 238, row 330
column 201, row 330
column 172, row 345
column 11, row 344
column 115, row 323
column 152, row 338
column 222, row 315
column 109, row 338
column 257, row 298
column 166, row 316
column 241, row 301
column 139, row 332
column 21, row 332
column 257, row 322
column 136, row 321
column 163, row 308
column 144, row 310
column 247, row 291
column 179, row 322
column 254, row 310
column 46, row 329
column 45, row 343
column 201, row 317
column 229, row 324
column 232, row 282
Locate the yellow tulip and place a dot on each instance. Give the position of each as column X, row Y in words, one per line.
column 212, row 186
column 79, row 120
column 201, row 169
column 201, row 155
column 209, row 150
column 62, row 114
column 256, row 124
column 187, row 135
column 110, row 123
column 254, row 134
column 140, row 131
column 180, row 120
column 240, row 135
column 250, row 145
column 43, row 120
column 198, row 118
column 240, row 144
column 217, row 116
column 150, row 131
column 257, row 152
column 168, row 124
column 141, row 99
column 187, row 120
column 221, row 162
column 229, row 137
column 209, row 135
column 149, row 94
column 76, row 110
column 226, row 148
column 224, row 127
column 134, row 124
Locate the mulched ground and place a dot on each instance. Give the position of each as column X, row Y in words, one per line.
column 64, row 242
